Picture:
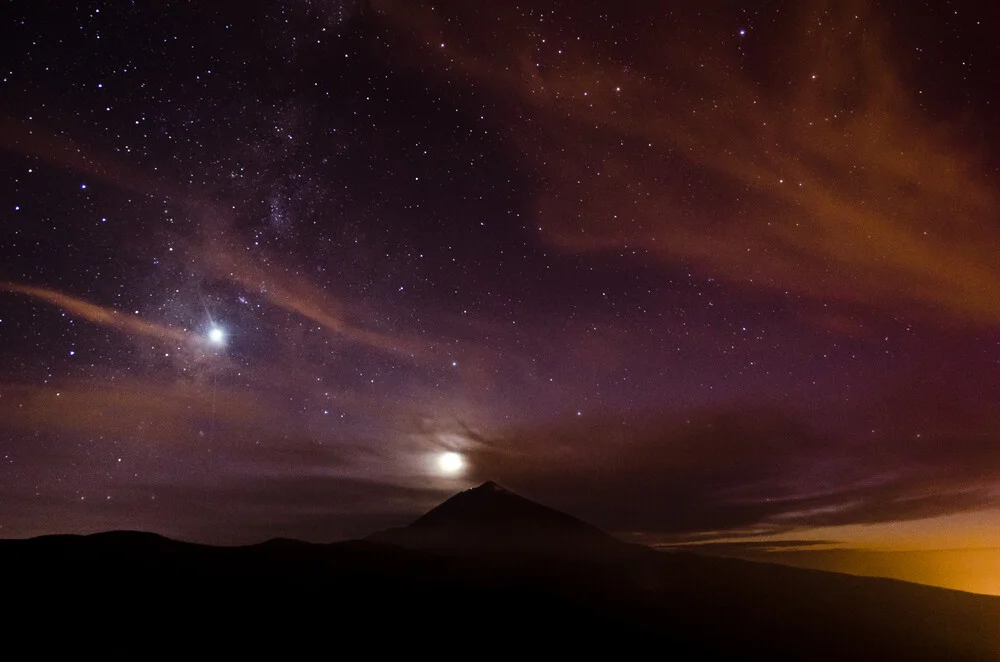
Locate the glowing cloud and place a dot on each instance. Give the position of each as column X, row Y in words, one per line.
column 109, row 317
column 847, row 189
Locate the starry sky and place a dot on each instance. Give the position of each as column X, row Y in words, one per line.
column 718, row 274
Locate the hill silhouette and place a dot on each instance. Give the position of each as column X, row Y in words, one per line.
column 485, row 572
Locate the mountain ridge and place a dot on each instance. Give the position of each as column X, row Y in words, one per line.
column 611, row 595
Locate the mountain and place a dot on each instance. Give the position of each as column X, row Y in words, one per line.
column 709, row 607
column 486, row 573
column 491, row 521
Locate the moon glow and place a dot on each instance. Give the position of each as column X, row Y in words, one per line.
column 450, row 463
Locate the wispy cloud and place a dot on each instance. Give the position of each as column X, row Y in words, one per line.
column 820, row 174
column 734, row 472
column 102, row 315
column 294, row 293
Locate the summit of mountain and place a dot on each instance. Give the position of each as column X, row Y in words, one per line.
column 492, row 520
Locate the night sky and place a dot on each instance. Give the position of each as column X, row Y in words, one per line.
column 722, row 272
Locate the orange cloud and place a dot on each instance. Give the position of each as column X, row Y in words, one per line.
column 34, row 139
column 825, row 179
column 134, row 409
column 109, row 317
column 296, row 294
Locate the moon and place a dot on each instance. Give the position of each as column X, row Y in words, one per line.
column 450, row 463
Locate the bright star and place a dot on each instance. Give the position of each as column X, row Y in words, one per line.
column 216, row 335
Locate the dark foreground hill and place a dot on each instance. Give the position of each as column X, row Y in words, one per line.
column 485, row 573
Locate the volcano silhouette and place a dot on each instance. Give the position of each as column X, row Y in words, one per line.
column 490, row 520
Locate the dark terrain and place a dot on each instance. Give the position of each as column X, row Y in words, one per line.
column 483, row 573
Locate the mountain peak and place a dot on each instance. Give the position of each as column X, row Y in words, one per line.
column 491, row 486
column 490, row 520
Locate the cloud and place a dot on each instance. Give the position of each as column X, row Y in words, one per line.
column 962, row 569
column 750, row 547
column 717, row 474
column 296, row 294
column 816, row 172
column 35, row 139
column 143, row 411
column 104, row 316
